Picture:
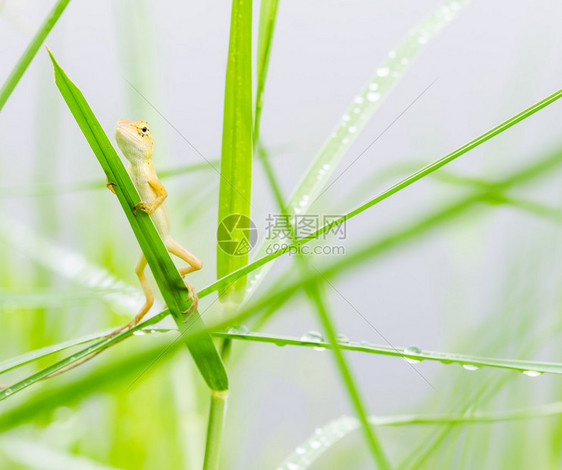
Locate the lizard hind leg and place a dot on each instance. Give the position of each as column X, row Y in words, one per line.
column 194, row 264
column 139, row 270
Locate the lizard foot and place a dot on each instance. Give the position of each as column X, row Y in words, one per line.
column 195, row 301
column 142, row 206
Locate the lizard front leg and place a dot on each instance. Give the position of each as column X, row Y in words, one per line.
column 109, row 185
column 162, row 194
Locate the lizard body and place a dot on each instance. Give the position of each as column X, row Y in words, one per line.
column 135, row 141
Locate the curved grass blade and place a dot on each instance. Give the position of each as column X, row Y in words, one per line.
column 31, row 356
column 169, row 281
column 330, row 434
column 360, row 111
column 29, row 53
column 236, row 156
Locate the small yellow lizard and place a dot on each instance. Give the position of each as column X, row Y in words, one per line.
column 135, row 141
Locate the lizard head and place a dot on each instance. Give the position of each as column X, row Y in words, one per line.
column 134, row 140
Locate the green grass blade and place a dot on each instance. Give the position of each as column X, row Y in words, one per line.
column 357, row 402
column 317, row 297
column 29, row 53
column 169, row 281
column 410, row 353
column 268, row 14
column 236, row 156
column 402, row 184
column 35, row 355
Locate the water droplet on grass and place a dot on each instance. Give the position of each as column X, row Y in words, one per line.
column 313, row 337
column 412, row 351
column 470, row 367
column 531, row 373
column 383, row 72
column 342, row 339
column 239, row 330
column 372, row 97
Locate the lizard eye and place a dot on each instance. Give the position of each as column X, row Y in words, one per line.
column 144, row 129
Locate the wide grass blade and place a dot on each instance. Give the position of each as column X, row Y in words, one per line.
column 29, row 53
column 236, row 157
column 169, row 281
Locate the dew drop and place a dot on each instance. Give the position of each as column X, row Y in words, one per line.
column 356, row 110
column 313, row 337
column 383, row 72
column 300, row 450
column 239, row 330
column 422, row 39
column 392, row 54
column 352, row 129
column 404, row 61
column 359, row 99
column 326, row 166
column 412, row 351
column 342, row 339
column 532, row 373
column 470, row 367
column 140, row 333
column 345, row 117
column 373, row 86
column 372, row 96
column 315, row 444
